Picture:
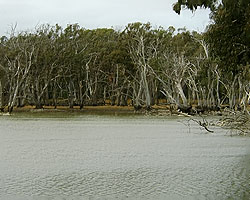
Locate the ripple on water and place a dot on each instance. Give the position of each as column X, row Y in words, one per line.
column 118, row 159
column 144, row 183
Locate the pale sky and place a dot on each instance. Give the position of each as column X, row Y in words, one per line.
column 97, row 14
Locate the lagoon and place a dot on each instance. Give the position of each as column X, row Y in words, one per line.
column 61, row 155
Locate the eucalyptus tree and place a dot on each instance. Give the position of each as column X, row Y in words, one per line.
column 229, row 40
column 1, row 96
column 1, row 89
column 194, row 4
column 99, row 64
column 228, row 37
column 45, row 67
column 19, row 54
column 142, row 45
column 176, row 71
column 3, row 69
column 72, row 60
column 81, row 66
column 117, row 67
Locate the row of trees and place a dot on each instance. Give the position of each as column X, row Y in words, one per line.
column 138, row 65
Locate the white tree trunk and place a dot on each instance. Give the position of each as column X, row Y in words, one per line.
column 181, row 93
column 146, row 88
column 1, row 95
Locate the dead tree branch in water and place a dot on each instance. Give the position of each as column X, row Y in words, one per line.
column 236, row 121
column 203, row 123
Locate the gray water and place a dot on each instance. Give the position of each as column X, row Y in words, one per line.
column 86, row 156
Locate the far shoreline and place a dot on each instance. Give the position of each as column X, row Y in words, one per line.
column 155, row 110
column 107, row 107
column 228, row 119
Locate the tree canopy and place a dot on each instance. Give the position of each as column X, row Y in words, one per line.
column 139, row 65
column 194, row 4
column 228, row 35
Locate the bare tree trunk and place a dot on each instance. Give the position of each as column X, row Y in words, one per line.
column 240, row 94
column 136, row 96
column 46, row 97
column 181, row 93
column 112, row 98
column 38, row 95
column 70, row 95
column 232, row 94
column 39, row 103
column 218, row 88
column 104, row 94
column 18, row 104
column 54, row 96
column 80, row 95
column 1, row 97
column 12, row 98
column 124, row 98
column 94, row 92
column 146, row 87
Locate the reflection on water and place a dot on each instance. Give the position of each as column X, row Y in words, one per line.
column 119, row 156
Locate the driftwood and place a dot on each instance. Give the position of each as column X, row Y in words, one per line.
column 236, row 121
column 204, row 124
column 186, row 109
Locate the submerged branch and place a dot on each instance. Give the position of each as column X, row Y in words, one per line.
column 236, row 121
column 204, row 123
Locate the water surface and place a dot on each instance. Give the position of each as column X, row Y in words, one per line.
column 118, row 156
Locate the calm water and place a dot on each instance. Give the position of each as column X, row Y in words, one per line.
column 86, row 156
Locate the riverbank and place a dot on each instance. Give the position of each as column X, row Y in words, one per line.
column 160, row 110
column 128, row 109
column 236, row 121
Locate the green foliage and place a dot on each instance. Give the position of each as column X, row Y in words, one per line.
column 194, row 4
column 229, row 35
column 141, row 62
